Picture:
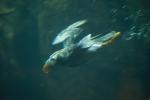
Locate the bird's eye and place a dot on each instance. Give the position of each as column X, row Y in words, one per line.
column 53, row 59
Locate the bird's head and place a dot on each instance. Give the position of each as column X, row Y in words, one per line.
column 49, row 64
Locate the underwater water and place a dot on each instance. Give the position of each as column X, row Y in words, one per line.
column 117, row 71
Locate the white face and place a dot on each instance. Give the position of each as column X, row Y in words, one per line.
column 48, row 65
column 51, row 62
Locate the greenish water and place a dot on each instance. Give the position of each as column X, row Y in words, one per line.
column 119, row 71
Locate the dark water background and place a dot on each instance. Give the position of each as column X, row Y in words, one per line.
column 120, row 71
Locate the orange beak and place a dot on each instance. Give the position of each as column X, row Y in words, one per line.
column 45, row 68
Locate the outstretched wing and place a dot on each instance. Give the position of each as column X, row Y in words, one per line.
column 94, row 43
column 71, row 31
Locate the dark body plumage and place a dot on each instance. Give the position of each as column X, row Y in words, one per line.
column 78, row 57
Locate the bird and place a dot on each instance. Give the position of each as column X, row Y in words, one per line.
column 72, row 49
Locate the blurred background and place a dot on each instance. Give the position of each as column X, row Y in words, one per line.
column 119, row 71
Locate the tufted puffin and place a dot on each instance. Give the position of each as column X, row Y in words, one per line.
column 73, row 53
